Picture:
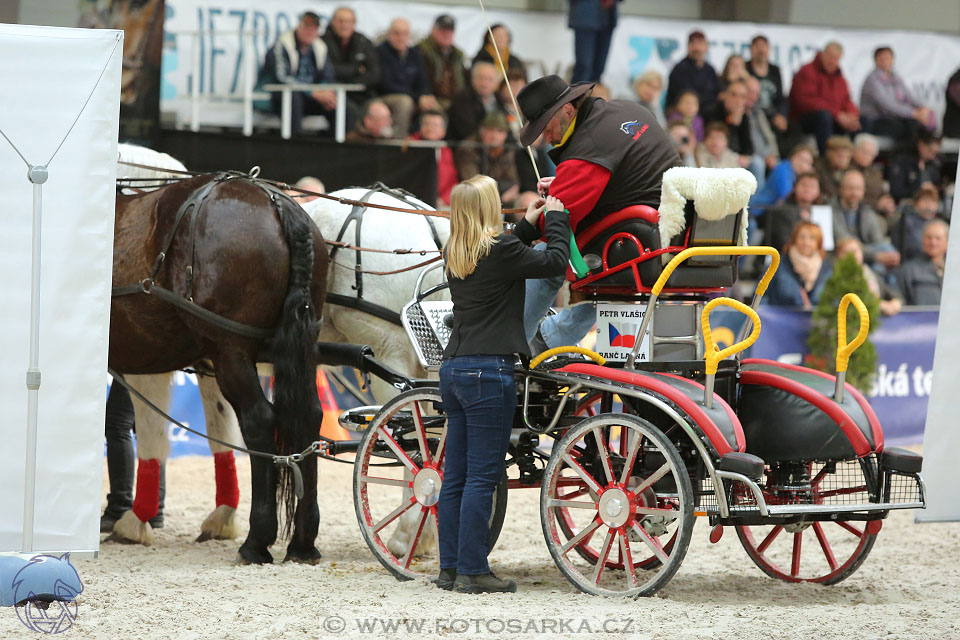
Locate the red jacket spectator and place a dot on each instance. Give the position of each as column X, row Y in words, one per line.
column 815, row 89
column 446, row 172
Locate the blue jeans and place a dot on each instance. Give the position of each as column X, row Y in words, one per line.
column 562, row 330
column 590, row 48
column 480, row 398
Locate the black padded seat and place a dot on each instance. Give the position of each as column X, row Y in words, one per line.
column 743, row 463
column 897, row 459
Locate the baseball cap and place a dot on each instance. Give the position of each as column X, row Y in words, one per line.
column 445, row 22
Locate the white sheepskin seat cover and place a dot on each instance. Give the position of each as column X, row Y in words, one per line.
column 716, row 193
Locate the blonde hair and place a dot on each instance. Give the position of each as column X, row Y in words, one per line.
column 475, row 223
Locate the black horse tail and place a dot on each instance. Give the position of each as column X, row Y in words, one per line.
column 296, row 405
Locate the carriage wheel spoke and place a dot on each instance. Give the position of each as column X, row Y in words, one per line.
column 770, row 538
column 604, row 554
column 825, row 545
column 421, row 433
column 391, row 482
column 649, row 511
column 397, row 451
column 795, row 562
column 572, row 504
column 587, row 478
column 575, row 494
column 604, row 455
column 393, row 515
column 626, row 558
column 587, row 532
column 631, row 455
column 659, row 473
column 651, row 542
column 852, row 529
column 416, row 537
column 441, row 449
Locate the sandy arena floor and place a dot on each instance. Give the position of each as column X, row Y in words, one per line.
column 909, row 587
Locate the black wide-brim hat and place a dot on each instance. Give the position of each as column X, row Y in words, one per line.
column 541, row 99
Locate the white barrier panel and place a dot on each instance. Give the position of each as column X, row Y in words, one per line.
column 941, row 438
column 60, row 107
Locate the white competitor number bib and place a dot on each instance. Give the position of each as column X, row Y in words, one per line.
column 617, row 326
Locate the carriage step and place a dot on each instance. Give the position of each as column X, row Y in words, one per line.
column 745, row 464
column 897, row 459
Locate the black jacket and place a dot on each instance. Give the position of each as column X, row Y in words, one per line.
column 687, row 75
column 488, row 304
column 401, row 74
column 740, row 140
column 358, row 62
column 466, row 112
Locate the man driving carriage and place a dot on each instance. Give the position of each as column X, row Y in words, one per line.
column 609, row 156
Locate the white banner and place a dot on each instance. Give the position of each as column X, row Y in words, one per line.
column 203, row 39
column 48, row 75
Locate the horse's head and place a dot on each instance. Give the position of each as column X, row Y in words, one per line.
column 47, row 578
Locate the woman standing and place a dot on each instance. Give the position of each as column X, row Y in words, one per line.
column 486, row 270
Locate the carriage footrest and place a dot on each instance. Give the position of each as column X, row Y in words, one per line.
column 896, row 459
column 743, row 463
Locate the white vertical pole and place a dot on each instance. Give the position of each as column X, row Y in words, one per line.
column 286, row 107
column 340, row 131
column 37, row 175
column 195, row 86
column 248, row 81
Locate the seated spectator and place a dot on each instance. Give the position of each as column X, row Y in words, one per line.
column 685, row 143
column 474, row 102
column 307, row 183
column 762, row 135
column 912, row 170
column 803, row 272
column 443, row 62
column 907, row 233
column 820, row 98
column 713, row 152
column 921, row 279
column 299, row 56
column 887, row 108
column 832, row 165
column 686, row 111
column 865, row 150
column 734, row 69
column 780, row 219
column 433, row 127
column 647, row 87
column 853, row 217
column 771, row 100
column 375, row 125
column 951, row 115
column 779, row 183
column 403, row 83
column 354, row 58
column 732, row 111
column 528, row 177
column 488, row 53
column 888, row 297
column 694, row 73
column 489, row 155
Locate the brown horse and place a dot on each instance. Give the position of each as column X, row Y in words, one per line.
column 251, row 255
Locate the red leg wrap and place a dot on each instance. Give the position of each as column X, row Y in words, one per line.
column 228, row 492
column 146, row 504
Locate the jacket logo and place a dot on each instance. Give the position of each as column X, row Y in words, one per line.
column 634, row 128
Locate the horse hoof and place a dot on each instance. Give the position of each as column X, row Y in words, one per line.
column 245, row 557
column 129, row 529
column 221, row 524
column 311, row 556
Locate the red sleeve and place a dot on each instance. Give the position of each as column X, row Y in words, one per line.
column 578, row 186
column 805, row 93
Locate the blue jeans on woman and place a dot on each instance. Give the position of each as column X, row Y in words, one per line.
column 480, row 398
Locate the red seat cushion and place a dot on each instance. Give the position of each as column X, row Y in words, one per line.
column 637, row 211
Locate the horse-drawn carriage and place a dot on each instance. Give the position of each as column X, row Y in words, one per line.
column 628, row 454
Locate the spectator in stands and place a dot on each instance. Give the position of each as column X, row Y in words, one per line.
column 910, row 171
column 853, row 217
column 528, row 177
column 647, row 87
column 888, row 297
column 376, row 124
column 732, row 111
column 307, row 183
column 907, row 233
column 474, row 102
column 685, row 143
column 734, row 69
column 516, row 81
column 771, row 100
column 951, row 115
column 686, row 111
column 761, row 131
column 831, row 166
column 443, row 62
column 804, row 271
column 694, row 73
column 713, row 152
column 779, row 183
column 865, row 150
column 403, row 84
column 433, row 127
column 820, row 98
column 354, row 58
column 593, row 22
column 488, row 53
column 487, row 154
column 887, row 107
column 921, row 279
column 299, row 56
column 779, row 220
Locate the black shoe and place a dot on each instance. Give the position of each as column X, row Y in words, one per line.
column 446, row 579
column 157, row 521
column 538, row 345
column 483, row 583
column 106, row 523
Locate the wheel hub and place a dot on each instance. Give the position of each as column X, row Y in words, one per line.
column 614, row 507
column 797, row 527
column 426, row 486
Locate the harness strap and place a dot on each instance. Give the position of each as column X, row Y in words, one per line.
column 355, row 216
column 367, row 307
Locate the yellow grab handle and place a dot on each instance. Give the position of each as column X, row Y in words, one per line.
column 844, row 350
column 593, row 355
column 722, row 251
column 712, row 355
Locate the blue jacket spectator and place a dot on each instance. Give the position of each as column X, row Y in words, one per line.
column 403, row 85
column 694, row 72
column 780, row 182
column 803, row 272
column 921, row 279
